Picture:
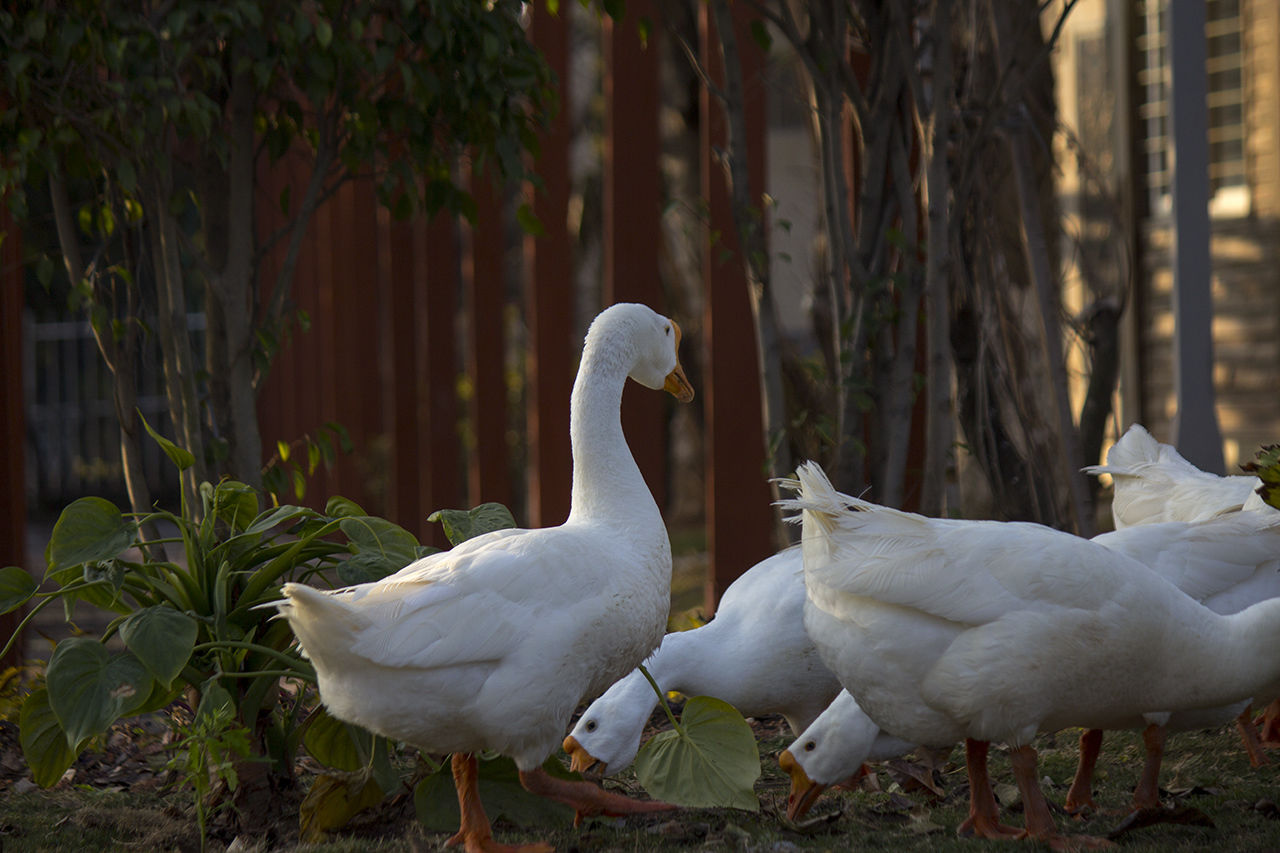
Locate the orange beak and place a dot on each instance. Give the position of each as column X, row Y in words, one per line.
column 677, row 384
column 804, row 791
column 580, row 761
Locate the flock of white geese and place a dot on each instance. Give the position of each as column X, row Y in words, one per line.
column 882, row 631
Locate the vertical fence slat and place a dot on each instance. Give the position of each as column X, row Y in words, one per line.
column 739, row 510
column 484, row 284
column 353, row 336
column 549, row 296
column 436, row 307
column 399, row 380
column 632, row 215
column 13, row 492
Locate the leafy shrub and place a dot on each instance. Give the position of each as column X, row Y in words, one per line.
column 192, row 626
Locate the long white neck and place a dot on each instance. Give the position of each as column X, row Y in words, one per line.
column 606, row 480
column 1232, row 664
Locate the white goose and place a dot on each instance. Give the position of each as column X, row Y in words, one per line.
column 754, row 654
column 1227, row 563
column 1154, row 483
column 995, row 631
column 841, row 739
column 493, row 644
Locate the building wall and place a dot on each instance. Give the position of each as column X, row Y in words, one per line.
column 1246, row 333
column 1245, row 247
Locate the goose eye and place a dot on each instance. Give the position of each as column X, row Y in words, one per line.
column 667, row 330
column 810, row 746
column 591, row 725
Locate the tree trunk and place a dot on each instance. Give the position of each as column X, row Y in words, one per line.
column 749, row 217
column 172, row 329
column 939, row 462
column 229, row 343
column 119, row 355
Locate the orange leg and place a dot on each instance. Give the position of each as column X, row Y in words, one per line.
column 474, row 833
column 984, row 816
column 1039, row 819
column 1270, row 723
column 587, row 799
column 1080, row 794
column 1249, row 734
column 1147, row 794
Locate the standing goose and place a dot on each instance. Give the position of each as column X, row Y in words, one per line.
column 754, row 654
column 995, row 631
column 492, row 645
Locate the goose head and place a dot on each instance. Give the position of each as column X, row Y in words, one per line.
column 656, row 341
column 607, row 736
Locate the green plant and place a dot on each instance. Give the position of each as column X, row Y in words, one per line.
column 707, row 758
column 362, row 774
column 207, row 751
column 189, row 626
column 1266, row 466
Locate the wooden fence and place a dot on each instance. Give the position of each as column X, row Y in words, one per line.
column 404, row 314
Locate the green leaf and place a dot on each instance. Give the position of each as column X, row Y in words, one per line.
column 16, row 588
column 1266, row 466
column 760, row 33
column 333, row 801
column 710, row 761
column 236, row 503
column 336, row 744
column 179, row 456
column 44, row 744
column 340, row 507
column 529, row 221
column 215, row 700
column 283, row 514
column 324, row 32
column 390, row 543
column 162, row 639
column 435, row 800
column 89, row 688
column 89, row 529
column 463, row 524
column 366, row 568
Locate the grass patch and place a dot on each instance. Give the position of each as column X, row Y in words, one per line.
column 1205, row 770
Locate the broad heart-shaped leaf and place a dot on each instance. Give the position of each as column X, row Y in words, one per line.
column 390, row 543
column 435, row 800
column 44, row 744
column 366, row 567
column 88, row 529
column 89, row 688
column 333, row 801
column 336, row 744
column 179, row 456
column 463, row 524
column 162, row 638
column 712, row 762
column 16, row 588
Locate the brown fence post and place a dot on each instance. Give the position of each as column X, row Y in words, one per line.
column 632, row 214
column 484, row 288
column 549, row 295
column 436, row 308
column 13, row 483
column 740, row 521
